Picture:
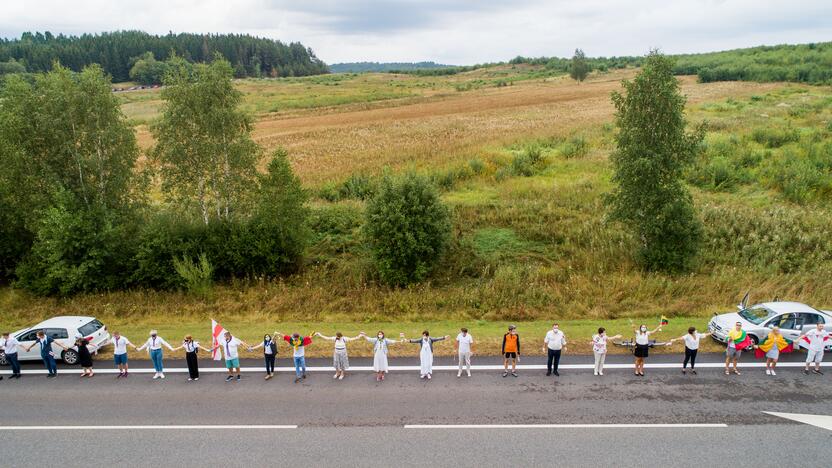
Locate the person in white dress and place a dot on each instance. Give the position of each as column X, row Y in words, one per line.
column 380, row 344
column 426, row 353
column 340, row 360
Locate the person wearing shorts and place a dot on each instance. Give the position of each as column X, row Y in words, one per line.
column 732, row 353
column 511, row 350
column 815, row 339
column 230, row 350
column 120, row 345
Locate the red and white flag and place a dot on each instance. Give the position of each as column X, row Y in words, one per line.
column 217, row 331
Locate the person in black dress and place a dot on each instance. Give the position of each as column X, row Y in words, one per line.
column 84, row 356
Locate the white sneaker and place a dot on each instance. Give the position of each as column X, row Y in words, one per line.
column 469, row 373
column 768, row 371
column 189, row 379
column 428, row 376
column 341, row 377
column 155, row 376
column 335, row 376
column 459, row 374
column 595, row 373
column 772, row 372
column 601, row 373
column 162, row 375
column 196, row 378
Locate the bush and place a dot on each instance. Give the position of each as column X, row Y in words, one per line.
column 772, row 137
column 77, row 250
column 197, row 276
column 359, row 187
column 575, row 147
column 408, row 229
column 527, row 163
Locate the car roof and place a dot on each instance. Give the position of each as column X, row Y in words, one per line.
column 783, row 307
column 65, row 321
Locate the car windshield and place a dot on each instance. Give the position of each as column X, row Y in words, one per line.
column 90, row 328
column 756, row 315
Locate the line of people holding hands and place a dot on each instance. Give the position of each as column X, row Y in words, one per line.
column 554, row 344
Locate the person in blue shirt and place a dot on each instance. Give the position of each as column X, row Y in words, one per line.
column 46, row 353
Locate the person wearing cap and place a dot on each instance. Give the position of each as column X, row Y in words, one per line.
column 298, row 344
column 232, row 356
column 464, row 346
column 9, row 345
column 120, row 345
column 46, row 353
column 511, row 350
column 154, row 348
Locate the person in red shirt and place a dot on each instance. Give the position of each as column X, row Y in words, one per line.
column 298, row 344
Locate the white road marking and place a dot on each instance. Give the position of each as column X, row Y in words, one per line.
column 561, row 426
column 821, row 421
column 491, row 367
column 146, row 427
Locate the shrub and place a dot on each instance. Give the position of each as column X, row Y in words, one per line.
column 773, row 137
column 359, row 187
column 527, row 163
column 477, row 166
column 408, row 229
column 575, row 147
column 197, row 276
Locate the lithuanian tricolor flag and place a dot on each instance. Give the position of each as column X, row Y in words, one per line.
column 784, row 345
column 740, row 339
column 664, row 320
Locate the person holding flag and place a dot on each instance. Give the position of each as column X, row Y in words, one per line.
column 642, row 342
column 814, row 341
column 771, row 347
column 737, row 341
column 230, row 345
column 298, row 344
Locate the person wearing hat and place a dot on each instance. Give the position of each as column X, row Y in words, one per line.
column 154, row 348
column 9, row 345
column 298, row 344
column 511, row 350
column 46, row 353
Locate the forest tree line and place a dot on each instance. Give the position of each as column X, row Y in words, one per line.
column 117, row 52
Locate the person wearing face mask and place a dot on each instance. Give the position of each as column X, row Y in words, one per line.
column 691, row 348
column 154, row 348
column 192, row 348
column 269, row 354
column 599, row 349
column 340, row 360
column 553, row 344
column 380, row 344
column 298, row 344
column 642, row 347
column 464, row 346
column 426, row 353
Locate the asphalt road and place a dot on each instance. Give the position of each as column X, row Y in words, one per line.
column 358, row 421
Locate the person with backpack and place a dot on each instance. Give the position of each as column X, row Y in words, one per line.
column 191, row 348
column 269, row 354
column 511, row 350
column 340, row 360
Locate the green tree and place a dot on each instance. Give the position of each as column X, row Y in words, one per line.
column 652, row 151
column 579, row 68
column 147, row 70
column 204, row 149
column 408, row 228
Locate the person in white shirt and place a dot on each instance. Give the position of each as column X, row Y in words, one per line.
column 599, row 349
column 816, row 340
column 9, row 346
column 120, row 345
column 553, row 344
column 691, row 339
column 642, row 342
column 154, row 348
column 192, row 348
column 340, row 360
column 464, row 347
column 232, row 357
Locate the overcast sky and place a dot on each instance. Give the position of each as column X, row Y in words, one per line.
column 448, row 31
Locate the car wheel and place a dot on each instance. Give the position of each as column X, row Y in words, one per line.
column 70, row 357
column 4, row 361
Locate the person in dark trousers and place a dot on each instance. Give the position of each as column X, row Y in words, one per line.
column 269, row 354
column 46, row 353
column 192, row 348
column 691, row 348
column 511, row 350
column 9, row 346
column 553, row 344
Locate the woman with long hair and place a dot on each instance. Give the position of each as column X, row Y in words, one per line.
column 642, row 343
column 340, row 360
column 191, row 348
column 269, row 354
column 380, row 344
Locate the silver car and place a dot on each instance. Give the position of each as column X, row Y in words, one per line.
column 793, row 318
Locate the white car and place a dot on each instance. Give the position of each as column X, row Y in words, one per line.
column 64, row 330
column 793, row 318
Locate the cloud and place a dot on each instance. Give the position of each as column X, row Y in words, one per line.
column 450, row 31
